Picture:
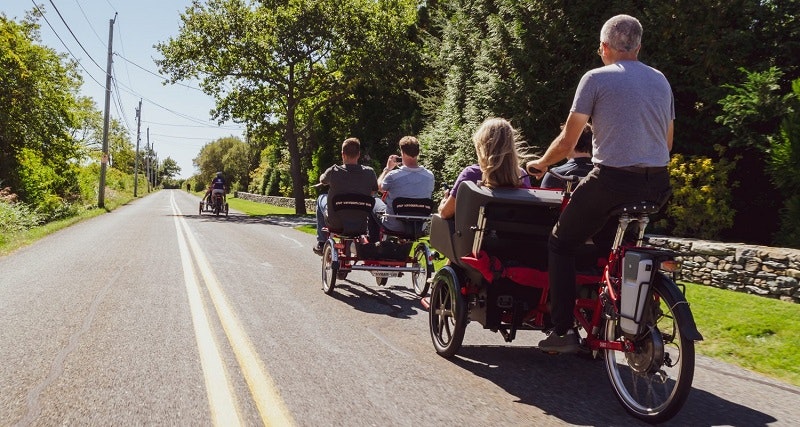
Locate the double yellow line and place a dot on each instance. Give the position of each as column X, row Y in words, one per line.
column 224, row 408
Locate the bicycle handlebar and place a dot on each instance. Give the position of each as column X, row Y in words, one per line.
column 566, row 178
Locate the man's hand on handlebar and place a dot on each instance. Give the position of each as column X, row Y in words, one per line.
column 536, row 169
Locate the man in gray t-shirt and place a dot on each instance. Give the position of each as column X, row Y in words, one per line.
column 632, row 112
column 349, row 177
column 403, row 177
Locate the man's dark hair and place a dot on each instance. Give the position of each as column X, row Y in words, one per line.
column 409, row 146
column 351, row 147
column 584, row 144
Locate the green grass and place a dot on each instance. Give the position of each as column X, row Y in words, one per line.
column 256, row 208
column 757, row 333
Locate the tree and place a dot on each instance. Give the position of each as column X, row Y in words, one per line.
column 227, row 155
column 752, row 112
column 280, row 62
column 38, row 154
column 168, row 169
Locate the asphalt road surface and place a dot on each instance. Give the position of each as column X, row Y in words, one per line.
column 155, row 315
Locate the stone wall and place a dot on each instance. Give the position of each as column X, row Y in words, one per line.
column 761, row 270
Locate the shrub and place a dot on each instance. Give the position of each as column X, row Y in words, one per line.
column 700, row 205
column 17, row 217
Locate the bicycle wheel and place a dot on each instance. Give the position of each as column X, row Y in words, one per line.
column 420, row 279
column 447, row 313
column 653, row 382
column 330, row 269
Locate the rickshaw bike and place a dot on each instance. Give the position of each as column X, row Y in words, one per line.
column 630, row 312
column 348, row 247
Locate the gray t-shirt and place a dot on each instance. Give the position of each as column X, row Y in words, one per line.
column 414, row 183
column 631, row 106
column 343, row 179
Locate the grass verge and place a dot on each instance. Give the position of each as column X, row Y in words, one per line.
column 9, row 242
column 757, row 333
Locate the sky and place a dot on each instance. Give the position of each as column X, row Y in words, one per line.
column 177, row 116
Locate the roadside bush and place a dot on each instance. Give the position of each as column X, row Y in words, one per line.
column 701, row 197
column 17, row 217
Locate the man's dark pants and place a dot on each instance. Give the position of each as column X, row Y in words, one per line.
column 587, row 212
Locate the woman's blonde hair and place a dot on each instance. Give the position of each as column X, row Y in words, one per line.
column 495, row 145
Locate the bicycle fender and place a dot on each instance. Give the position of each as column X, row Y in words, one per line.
column 686, row 323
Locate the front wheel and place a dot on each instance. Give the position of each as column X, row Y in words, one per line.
column 653, row 382
column 447, row 313
column 330, row 269
column 420, row 279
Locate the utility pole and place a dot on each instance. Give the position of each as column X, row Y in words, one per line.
column 136, row 158
column 147, row 173
column 104, row 159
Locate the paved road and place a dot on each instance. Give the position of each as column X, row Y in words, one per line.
column 155, row 315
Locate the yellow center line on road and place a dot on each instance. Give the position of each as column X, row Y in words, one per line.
column 221, row 398
column 268, row 402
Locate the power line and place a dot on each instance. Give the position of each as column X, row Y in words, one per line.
column 73, row 34
column 155, row 74
column 77, row 61
column 196, row 126
column 90, row 23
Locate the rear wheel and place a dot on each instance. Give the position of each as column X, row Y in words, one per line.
column 421, row 279
column 447, row 313
column 653, row 382
column 330, row 269
column 226, row 209
column 201, row 208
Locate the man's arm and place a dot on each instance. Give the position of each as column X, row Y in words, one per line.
column 670, row 132
column 561, row 146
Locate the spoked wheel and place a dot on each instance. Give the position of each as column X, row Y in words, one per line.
column 330, row 269
column 448, row 315
column 653, row 382
column 422, row 256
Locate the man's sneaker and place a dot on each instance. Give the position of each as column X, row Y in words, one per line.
column 554, row 343
column 318, row 248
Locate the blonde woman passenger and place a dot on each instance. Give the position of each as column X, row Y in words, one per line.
column 498, row 162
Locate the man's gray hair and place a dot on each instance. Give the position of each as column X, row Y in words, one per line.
column 622, row 33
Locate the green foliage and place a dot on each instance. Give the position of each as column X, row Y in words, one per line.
column 789, row 233
column 37, row 94
column 16, row 217
column 700, row 204
column 753, row 110
column 227, row 155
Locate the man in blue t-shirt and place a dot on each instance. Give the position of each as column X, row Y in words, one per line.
column 218, row 186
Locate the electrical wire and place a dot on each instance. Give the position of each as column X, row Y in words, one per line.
column 73, row 35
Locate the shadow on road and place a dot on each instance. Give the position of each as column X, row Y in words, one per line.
column 394, row 300
column 282, row 220
column 576, row 389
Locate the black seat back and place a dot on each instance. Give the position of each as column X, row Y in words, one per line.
column 518, row 222
column 348, row 213
column 413, row 228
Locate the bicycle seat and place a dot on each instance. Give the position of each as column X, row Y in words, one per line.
column 643, row 207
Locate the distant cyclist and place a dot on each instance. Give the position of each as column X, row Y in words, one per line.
column 218, row 186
